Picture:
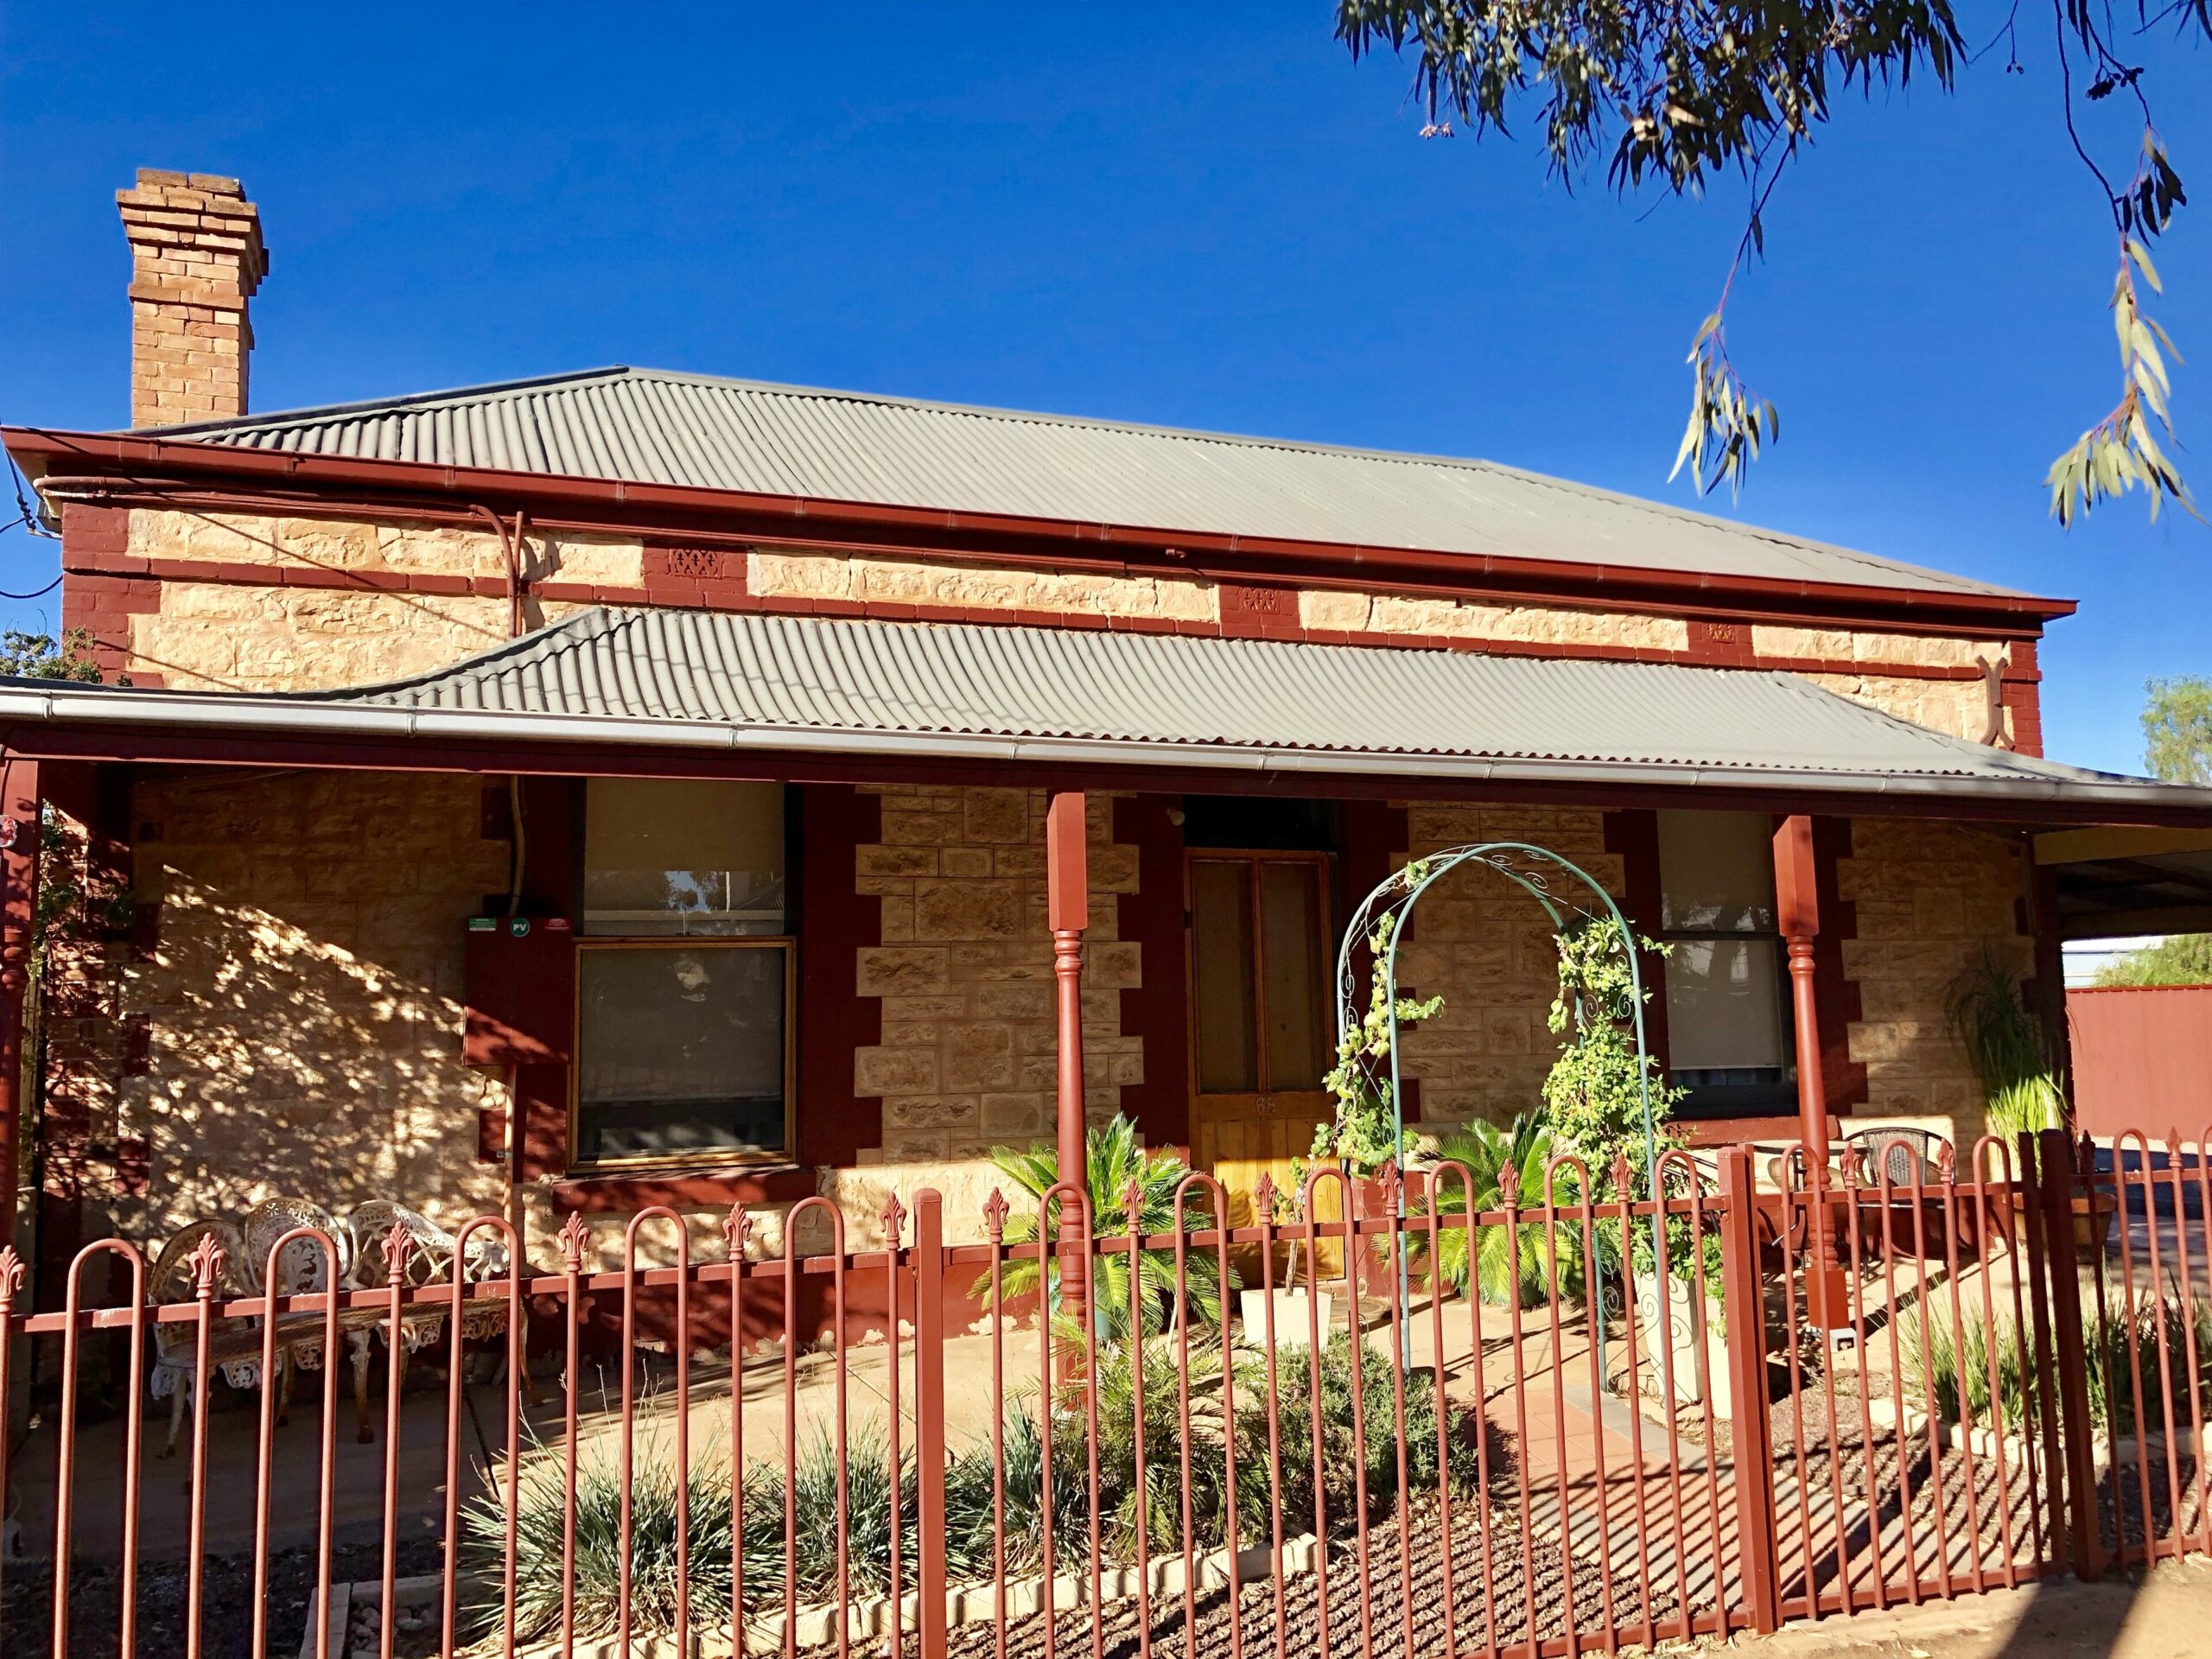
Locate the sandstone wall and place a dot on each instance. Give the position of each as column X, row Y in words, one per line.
column 237, row 634
column 1486, row 945
column 299, row 995
column 965, row 973
column 1357, row 613
column 351, row 602
column 866, row 580
column 1929, row 897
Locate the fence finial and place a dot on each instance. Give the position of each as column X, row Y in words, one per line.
column 1946, row 1163
column 207, row 1263
column 574, row 1233
column 1508, row 1186
column 398, row 1246
column 1623, row 1177
column 737, row 1231
column 994, row 1214
column 1263, row 1198
column 1133, row 1203
column 894, row 1215
column 11, row 1275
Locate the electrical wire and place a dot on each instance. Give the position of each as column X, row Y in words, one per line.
column 27, row 519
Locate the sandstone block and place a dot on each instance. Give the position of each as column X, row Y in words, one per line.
column 978, row 1056
column 900, row 970
column 894, row 861
column 966, row 909
column 889, row 1072
column 995, row 815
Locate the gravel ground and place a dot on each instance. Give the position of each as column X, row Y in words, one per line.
column 226, row 1602
column 1127, row 1624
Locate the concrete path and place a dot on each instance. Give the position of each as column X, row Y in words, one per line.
column 2166, row 1615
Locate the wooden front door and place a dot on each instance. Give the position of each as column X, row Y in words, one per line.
column 1259, row 1014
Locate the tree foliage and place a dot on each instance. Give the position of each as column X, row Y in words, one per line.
column 41, row 657
column 2177, row 729
column 1683, row 95
column 2178, row 959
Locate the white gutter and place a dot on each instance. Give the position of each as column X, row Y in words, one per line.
column 245, row 716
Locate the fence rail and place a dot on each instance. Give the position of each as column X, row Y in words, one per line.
column 1530, row 1421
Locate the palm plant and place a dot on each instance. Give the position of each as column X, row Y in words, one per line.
column 2009, row 1048
column 1509, row 1263
column 1114, row 1160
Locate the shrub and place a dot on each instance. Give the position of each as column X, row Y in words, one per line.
column 1507, row 1265
column 969, row 1490
column 1340, row 1465
column 540, row 1512
column 2011, row 1049
column 1935, row 1360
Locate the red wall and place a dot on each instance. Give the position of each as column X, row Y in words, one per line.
column 2142, row 1059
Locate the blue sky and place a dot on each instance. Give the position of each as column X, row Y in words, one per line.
column 1200, row 216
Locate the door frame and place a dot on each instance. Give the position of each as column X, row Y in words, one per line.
column 1324, row 861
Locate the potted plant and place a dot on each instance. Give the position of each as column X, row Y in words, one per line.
column 2016, row 1061
column 1297, row 1310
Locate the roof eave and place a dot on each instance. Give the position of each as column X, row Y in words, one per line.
column 117, row 454
column 245, row 720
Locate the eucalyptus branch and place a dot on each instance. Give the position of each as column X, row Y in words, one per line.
column 1728, row 423
column 1679, row 92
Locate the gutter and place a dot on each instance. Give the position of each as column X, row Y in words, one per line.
column 246, row 716
column 1614, row 582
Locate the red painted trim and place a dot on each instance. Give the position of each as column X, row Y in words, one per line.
column 1632, row 835
column 1377, row 836
column 550, row 810
column 835, row 923
column 1260, row 610
column 601, row 1192
column 1719, row 642
column 1156, row 1010
column 1835, row 994
column 39, row 450
column 2023, row 697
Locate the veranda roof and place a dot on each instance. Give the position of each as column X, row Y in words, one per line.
column 737, row 681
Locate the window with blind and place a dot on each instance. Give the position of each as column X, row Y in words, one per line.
column 1727, row 1030
column 684, row 972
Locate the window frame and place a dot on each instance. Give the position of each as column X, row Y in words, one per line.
column 1724, row 1100
column 787, row 941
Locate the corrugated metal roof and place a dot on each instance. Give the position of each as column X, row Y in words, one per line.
column 648, row 426
column 812, row 676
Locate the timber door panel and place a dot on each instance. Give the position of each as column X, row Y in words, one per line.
column 1259, row 1041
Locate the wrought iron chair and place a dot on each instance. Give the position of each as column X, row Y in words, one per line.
column 303, row 1268
column 175, row 1279
column 430, row 1261
column 1904, row 1153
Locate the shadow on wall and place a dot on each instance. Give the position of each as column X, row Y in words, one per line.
column 301, row 1000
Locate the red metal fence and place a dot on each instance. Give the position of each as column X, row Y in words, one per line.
column 2142, row 1054
column 1527, row 1422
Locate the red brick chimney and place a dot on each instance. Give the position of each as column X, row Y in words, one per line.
column 196, row 258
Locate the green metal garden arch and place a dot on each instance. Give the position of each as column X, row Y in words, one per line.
column 1390, row 906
